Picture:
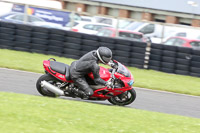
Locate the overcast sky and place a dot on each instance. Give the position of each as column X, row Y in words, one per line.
column 46, row 3
column 6, row 7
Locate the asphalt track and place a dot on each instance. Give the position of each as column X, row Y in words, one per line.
column 157, row 101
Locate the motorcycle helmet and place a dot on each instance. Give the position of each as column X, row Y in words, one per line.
column 104, row 54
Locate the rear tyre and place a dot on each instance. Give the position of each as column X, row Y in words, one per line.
column 44, row 91
column 127, row 98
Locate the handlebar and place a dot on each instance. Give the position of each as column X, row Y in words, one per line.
column 113, row 72
column 112, row 78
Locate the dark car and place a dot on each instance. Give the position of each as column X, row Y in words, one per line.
column 20, row 18
column 126, row 34
column 183, row 42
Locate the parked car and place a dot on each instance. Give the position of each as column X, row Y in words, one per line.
column 121, row 23
column 48, row 25
column 126, row 34
column 20, row 18
column 187, row 33
column 31, row 19
column 86, row 27
column 154, row 31
column 183, row 42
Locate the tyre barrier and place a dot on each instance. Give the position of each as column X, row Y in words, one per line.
column 159, row 57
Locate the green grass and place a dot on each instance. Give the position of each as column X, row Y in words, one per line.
column 168, row 82
column 21, row 113
column 143, row 78
column 26, row 61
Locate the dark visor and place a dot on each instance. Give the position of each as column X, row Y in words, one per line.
column 106, row 59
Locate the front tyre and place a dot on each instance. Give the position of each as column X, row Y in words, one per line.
column 44, row 91
column 123, row 99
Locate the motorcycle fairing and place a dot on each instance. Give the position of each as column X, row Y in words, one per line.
column 110, row 92
column 124, row 75
column 103, row 72
column 63, row 74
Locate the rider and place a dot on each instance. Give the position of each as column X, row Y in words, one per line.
column 86, row 64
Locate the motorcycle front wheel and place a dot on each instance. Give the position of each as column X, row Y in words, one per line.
column 123, row 99
column 43, row 91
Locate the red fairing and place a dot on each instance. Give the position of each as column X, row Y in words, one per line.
column 47, row 68
column 124, row 78
column 115, row 92
column 103, row 72
column 46, row 64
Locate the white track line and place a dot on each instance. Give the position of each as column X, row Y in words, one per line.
column 161, row 91
column 168, row 92
column 20, row 71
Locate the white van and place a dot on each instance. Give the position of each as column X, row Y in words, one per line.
column 121, row 23
column 156, row 32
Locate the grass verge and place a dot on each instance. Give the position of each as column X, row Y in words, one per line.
column 34, row 114
column 143, row 78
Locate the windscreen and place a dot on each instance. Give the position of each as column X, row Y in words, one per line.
column 195, row 44
column 130, row 35
column 122, row 70
column 133, row 26
column 105, row 32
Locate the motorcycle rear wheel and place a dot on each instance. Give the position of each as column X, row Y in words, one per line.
column 43, row 91
column 129, row 95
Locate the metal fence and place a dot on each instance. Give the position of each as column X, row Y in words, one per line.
column 169, row 34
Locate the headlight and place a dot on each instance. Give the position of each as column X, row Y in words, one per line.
column 130, row 83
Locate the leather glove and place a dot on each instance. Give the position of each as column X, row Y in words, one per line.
column 112, row 64
column 109, row 84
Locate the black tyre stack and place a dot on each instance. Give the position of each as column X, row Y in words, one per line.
column 108, row 42
column 72, row 45
column 56, row 42
column 183, row 60
column 40, row 42
column 168, row 59
column 155, row 57
column 89, row 43
column 195, row 63
column 138, row 54
column 122, row 51
column 7, row 35
column 23, row 37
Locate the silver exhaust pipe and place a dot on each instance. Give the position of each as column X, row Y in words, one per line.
column 52, row 88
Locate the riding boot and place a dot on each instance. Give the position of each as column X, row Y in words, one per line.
column 73, row 91
column 83, row 95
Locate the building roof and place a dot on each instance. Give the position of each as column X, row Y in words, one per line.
column 183, row 6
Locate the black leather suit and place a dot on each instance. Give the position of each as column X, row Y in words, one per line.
column 86, row 64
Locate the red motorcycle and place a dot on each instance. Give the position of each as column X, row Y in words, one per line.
column 56, row 82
